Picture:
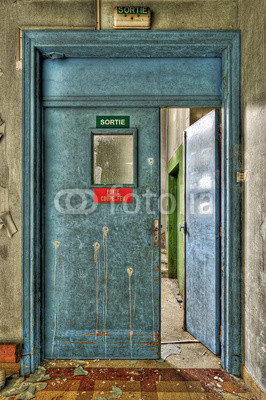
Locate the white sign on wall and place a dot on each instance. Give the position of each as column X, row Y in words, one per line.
column 132, row 17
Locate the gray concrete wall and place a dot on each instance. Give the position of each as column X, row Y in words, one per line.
column 164, row 162
column 252, row 24
column 14, row 14
column 178, row 119
column 181, row 14
column 178, row 14
column 173, row 122
column 197, row 113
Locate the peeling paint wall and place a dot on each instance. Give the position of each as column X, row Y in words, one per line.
column 252, row 24
column 181, row 14
column 178, row 14
column 178, row 119
column 163, row 129
column 17, row 13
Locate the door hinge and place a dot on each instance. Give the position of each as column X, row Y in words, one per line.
column 182, row 226
column 220, row 333
column 220, row 230
column 241, row 177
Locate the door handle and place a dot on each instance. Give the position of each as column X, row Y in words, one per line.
column 155, row 229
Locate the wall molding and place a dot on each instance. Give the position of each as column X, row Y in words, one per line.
column 253, row 385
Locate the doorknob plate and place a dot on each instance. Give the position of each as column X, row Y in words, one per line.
column 156, row 233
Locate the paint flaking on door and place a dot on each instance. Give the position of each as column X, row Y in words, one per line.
column 151, row 162
column 105, row 266
column 96, row 246
column 152, row 296
column 56, row 246
column 130, row 272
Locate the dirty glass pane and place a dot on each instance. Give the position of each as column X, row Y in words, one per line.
column 113, row 159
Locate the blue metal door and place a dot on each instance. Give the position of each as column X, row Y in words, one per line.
column 101, row 275
column 202, row 231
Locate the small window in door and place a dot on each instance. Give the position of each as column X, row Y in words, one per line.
column 113, row 158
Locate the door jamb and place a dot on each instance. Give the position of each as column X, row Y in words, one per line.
column 223, row 44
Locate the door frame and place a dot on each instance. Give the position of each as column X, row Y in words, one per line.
column 57, row 44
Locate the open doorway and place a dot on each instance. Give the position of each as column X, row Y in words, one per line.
column 184, row 344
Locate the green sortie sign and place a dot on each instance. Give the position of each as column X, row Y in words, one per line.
column 112, row 122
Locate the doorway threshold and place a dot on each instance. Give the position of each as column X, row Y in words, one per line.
column 192, row 353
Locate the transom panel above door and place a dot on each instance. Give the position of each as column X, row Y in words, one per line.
column 114, row 78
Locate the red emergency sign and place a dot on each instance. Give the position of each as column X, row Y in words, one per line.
column 113, row 195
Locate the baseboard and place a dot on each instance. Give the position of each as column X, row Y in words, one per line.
column 253, row 385
column 10, row 368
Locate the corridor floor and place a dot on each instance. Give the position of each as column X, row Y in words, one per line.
column 138, row 380
column 193, row 355
column 194, row 374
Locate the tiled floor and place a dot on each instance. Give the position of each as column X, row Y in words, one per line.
column 202, row 377
column 139, row 380
column 172, row 313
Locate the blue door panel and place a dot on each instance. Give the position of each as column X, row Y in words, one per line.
column 202, row 233
column 132, row 77
column 99, row 303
